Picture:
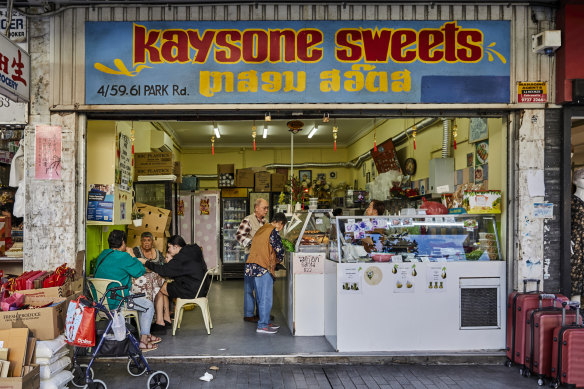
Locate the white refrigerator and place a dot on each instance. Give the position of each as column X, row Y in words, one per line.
column 199, row 216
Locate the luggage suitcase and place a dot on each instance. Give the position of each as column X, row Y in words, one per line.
column 541, row 323
column 517, row 306
column 568, row 351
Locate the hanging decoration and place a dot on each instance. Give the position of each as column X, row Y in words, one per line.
column 132, row 138
column 414, row 135
column 374, row 135
column 253, row 134
column 213, row 145
column 335, row 130
column 454, row 134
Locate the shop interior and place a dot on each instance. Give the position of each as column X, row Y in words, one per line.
column 331, row 161
column 11, row 220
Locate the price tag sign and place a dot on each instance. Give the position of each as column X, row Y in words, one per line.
column 318, row 221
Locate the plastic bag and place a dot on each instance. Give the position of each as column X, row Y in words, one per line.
column 119, row 327
column 13, row 302
column 80, row 324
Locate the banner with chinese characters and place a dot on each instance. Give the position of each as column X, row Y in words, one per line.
column 181, row 62
column 47, row 152
column 14, row 71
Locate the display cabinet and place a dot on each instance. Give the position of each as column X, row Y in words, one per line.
column 438, row 238
column 310, row 230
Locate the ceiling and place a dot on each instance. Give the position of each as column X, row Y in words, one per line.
column 238, row 133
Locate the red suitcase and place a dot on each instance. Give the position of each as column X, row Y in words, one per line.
column 541, row 323
column 517, row 307
column 568, row 352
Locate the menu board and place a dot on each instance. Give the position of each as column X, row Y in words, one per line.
column 385, row 157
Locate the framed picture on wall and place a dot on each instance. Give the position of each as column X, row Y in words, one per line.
column 321, row 177
column 305, row 175
column 478, row 130
column 469, row 159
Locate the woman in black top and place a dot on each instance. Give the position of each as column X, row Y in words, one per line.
column 187, row 269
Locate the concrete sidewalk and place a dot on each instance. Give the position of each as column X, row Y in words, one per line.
column 186, row 376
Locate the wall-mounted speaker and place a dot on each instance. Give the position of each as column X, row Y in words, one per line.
column 578, row 91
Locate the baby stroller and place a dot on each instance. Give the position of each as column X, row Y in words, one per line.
column 137, row 365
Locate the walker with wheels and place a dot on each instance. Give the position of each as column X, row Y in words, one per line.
column 83, row 376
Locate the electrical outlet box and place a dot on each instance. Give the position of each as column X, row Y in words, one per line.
column 546, row 42
column 441, row 176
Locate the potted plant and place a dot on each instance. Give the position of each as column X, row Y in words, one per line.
column 137, row 217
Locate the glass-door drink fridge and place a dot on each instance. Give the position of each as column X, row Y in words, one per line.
column 234, row 207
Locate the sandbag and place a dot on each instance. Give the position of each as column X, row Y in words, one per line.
column 47, row 361
column 48, row 348
column 59, row 381
column 48, row 371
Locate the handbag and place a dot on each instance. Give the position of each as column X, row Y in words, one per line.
column 80, row 324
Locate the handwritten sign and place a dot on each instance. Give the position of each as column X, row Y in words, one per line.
column 48, row 152
column 124, row 179
column 309, row 263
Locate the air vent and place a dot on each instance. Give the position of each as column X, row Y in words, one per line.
column 479, row 303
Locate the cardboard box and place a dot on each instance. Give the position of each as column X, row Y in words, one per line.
column 160, row 238
column 44, row 323
column 278, row 182
column 155, row 219
column 482, row 201
column 245, row 178
column 66, row 290
column 31, row 380
column 149, row 164
column 225, row 175
column 234, row 192
column 263, row 182
column 16, row 341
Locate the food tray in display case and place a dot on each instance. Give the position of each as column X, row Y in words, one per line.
column 309, row 231
column 443, row 238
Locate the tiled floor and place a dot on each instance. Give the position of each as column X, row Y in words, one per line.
column 230, row 334
column 186, row 376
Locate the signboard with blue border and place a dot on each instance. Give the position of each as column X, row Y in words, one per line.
column 206, row 62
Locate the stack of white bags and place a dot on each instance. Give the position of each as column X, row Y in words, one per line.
column 53, row 358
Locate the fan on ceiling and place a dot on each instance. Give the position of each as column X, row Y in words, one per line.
column 295, row 126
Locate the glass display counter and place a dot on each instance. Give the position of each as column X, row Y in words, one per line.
column 415, row 283
column 303, row 292
column 444, row 238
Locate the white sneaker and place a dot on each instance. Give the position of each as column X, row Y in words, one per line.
column 273, row 326
column 266, row 330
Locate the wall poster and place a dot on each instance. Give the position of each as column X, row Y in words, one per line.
column 124, row 168
column 404, row 277
column 436, row 279
column 100, row 203
column 48, row 152
column 350, row 280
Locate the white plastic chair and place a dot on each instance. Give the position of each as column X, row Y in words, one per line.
column 202, row 302
column 101, row 286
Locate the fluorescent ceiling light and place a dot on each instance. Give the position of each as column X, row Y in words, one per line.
column 313, row 131
column 265, row 131
column 217, row 133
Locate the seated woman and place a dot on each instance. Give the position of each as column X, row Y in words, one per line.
column 186, row 269
column 147, row 250
column 149, row 283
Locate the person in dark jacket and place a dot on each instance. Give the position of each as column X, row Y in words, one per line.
column 187, row 269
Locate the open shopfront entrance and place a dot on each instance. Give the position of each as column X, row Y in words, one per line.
column 310, row 305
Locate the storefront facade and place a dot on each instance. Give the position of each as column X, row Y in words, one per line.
column 56, row 209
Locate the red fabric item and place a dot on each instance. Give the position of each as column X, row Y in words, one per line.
column 434, row 208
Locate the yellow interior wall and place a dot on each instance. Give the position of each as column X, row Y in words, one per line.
column 102, row 160
column 201, row 161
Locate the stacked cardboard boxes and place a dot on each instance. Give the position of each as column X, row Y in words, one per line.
column 16, row 356
column 157, row 221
